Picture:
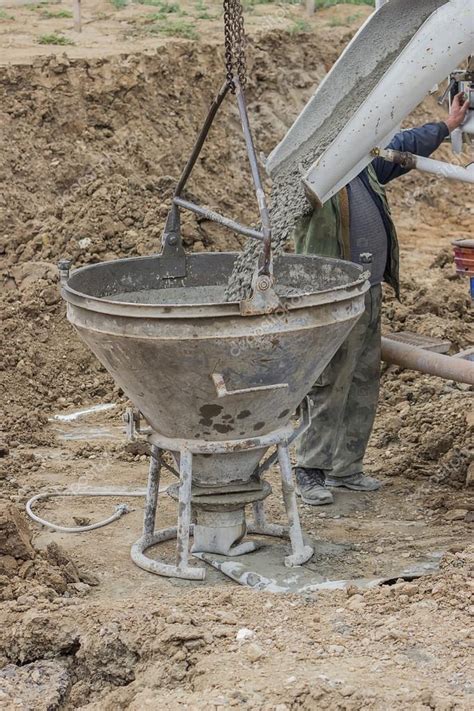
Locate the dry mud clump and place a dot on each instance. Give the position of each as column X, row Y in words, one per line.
column 27, row 574
column 425, row 424
column 43, row 362
column 349, row 649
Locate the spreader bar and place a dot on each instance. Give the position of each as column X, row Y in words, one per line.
column 216, row 217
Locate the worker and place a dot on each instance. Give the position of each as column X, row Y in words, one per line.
column 355, row 221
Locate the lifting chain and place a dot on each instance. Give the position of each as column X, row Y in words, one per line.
column 234, row 36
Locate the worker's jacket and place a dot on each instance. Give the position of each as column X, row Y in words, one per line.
column 326, row 231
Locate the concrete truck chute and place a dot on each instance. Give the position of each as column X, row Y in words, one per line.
column 400, row 52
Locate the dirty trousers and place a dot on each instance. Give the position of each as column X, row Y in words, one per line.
column 344, row 399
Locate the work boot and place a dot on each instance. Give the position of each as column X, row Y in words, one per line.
column 355, row 482
column 310, row 486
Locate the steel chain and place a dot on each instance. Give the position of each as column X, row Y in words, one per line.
column 234, row 42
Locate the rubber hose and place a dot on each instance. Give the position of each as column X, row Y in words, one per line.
column 121, row 509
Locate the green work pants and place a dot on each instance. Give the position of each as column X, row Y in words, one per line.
column 344, row 399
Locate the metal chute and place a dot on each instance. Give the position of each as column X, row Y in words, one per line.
column 400, row 52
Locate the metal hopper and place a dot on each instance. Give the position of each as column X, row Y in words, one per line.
column 193, row 365
column 218, row 381
column 214, row 385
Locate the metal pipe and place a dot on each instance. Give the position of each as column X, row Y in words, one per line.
column 171, row 240
column 184, row 509
column 214, row 108
column 443, row 98
column 446, row 170
column 259, row 514
column 265, row 264
column 153, row 488
column 76, row 11
column 414, row 358
column 301, row 553
column 216, row 217
column 427, row 165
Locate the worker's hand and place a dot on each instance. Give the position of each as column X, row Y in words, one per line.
column 458, row 112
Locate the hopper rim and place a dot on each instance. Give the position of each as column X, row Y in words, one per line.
column 305, row 299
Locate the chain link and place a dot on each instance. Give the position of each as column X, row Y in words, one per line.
column 234, row 41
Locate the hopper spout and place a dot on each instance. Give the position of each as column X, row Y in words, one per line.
column 387, row 69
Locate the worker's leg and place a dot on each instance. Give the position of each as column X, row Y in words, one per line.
column 329, row 396
column 361, row 404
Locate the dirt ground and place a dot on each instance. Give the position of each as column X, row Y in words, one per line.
column 93, row 137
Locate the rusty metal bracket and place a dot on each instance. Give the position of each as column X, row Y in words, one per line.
column 262, row 298
column 64, row 268
column 173, row 262
column 132, row 420
column 402, row 158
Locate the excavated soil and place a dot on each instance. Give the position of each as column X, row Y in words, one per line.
column 90, row 148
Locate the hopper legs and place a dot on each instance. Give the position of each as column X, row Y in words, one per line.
column 151, row 502
column 184, row 508
column 260, row 525
column 301, row 553
column 182, row 532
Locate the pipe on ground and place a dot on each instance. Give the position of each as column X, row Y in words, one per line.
column 414, row 358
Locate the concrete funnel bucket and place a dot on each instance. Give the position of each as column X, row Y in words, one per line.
column 217, row 388
column 218, row 381
column 396, row 57
column 194, row 366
